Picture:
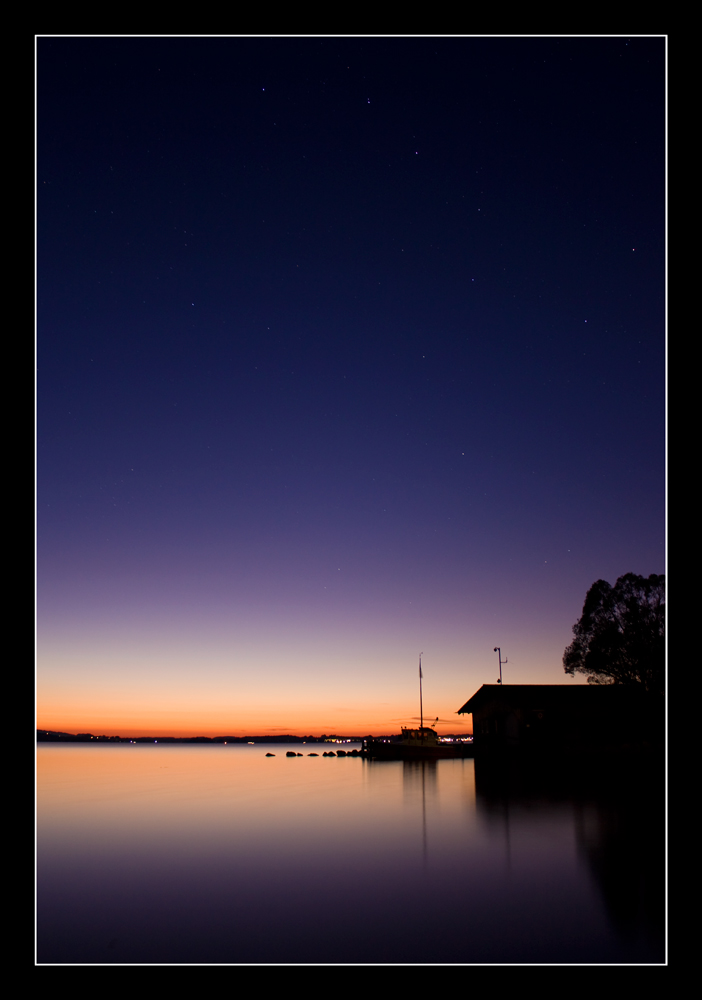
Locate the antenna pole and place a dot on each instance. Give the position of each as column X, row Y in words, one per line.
column 499, row 657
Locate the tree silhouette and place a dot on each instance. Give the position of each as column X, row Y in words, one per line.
column 620, row 637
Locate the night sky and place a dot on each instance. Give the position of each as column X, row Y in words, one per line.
column 348, row 349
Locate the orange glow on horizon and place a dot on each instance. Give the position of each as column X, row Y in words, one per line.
column 155, row 710
column 162, row 729
column 296, row 720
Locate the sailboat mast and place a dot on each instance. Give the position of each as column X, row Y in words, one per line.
column 421, row 709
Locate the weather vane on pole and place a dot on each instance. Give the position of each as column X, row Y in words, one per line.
column 499, row 657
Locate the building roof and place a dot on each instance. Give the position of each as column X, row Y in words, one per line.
column 541, row 695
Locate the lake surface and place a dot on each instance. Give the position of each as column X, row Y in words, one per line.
column 219, row 854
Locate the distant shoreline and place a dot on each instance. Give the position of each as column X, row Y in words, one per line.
column 47, row 736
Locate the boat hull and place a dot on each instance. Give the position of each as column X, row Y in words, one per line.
column 402, row 751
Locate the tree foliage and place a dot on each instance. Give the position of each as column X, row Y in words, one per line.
column 620, row 637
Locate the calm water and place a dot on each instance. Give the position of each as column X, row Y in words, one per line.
column 198, row 853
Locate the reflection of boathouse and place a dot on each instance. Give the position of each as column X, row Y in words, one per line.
column 568, row 716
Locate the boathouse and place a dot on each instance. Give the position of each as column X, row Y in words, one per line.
column 565, row 716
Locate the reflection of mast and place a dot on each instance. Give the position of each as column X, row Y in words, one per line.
column 421, row 710
column 424, row 818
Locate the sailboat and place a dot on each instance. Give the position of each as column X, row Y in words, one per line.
column 416, row 744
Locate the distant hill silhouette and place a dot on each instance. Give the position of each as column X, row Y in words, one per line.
column 48, row 736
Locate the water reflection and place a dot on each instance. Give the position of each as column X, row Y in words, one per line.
column 219, row 854
column 418, row 780
column 616, row 807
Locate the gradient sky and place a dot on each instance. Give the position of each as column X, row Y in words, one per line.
column 347, row 349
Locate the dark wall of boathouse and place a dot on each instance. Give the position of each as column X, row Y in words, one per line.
column 563, row 716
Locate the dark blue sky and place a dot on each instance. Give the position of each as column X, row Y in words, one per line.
column 351, row 347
